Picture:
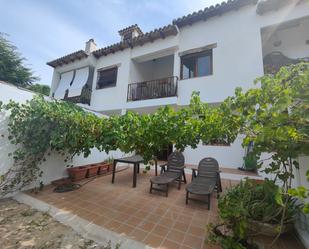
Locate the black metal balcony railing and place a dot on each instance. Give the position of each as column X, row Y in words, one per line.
column 153, row 89
column 83, row 98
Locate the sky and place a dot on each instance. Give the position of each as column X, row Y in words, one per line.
column 44, row 30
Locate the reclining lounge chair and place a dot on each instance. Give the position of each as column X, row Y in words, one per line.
column 172, row 171
column 205, row 180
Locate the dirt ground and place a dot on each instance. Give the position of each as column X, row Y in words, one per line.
column 24, row 227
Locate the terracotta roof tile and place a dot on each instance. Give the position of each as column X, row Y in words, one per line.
column 139, row 40
column 80, row 54
column 212, row 11
column 130, row 28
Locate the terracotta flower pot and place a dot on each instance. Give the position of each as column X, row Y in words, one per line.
column 110, row 166
column 103, row 168
column 92, row 170
column 77, row 173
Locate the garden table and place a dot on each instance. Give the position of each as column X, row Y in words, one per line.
column 135, row 160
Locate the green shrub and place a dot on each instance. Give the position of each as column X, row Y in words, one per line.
column 263, row 202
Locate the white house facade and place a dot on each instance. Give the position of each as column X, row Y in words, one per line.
column 212, row 51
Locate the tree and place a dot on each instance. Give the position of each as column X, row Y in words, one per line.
column 276, row 118
column 12, row 68
column 40, row 88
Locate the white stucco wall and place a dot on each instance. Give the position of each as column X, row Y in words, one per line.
column 8, row 92
column 238, row 57
column 152, row 69
column 300, row 175
column 54, row 167
column 237, row 61
column 227, row 156
column 112, row 97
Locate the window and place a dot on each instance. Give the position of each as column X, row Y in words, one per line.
column 196, row 65
column 107, row 78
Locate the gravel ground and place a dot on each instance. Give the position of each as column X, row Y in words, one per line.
column 24, row 227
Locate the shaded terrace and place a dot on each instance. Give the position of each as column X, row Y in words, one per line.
column 151, row 219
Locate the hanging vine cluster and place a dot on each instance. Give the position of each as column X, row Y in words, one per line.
column 41, row 126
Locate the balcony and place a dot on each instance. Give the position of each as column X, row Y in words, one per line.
column 83, row 98
column 285, row 44
column 153, row 89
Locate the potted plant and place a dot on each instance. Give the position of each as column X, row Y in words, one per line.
column 92, row 170
column 106, row 165
column 250, row 162
column 77, row 173
column 103, row 168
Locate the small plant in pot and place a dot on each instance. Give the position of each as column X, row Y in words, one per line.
column 93, row 170
column 109, row 162
column 77, row 173
column 105, row 166
column 250, row 162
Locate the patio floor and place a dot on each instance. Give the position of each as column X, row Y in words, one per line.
column 152, row 219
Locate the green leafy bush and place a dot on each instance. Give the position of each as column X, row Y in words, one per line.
column 262, row 202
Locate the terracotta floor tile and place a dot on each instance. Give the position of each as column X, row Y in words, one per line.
column 193, row 241
column 196, row 231
column 167, row 222
column 133, row 221
column 179, row 226
column 176, row 236
column 184, row 218
column 90, row 217
column 125, row 229
column 159, row 211
column 101, row 220
column 186, row 247
column 138, row 234
column 171, row 215
column 122, row 217
column 199, row 223
column 143, row 216
column 160, row 230
column 168, row 244
column 153, row 240
column 152, row 218
column 112, row 225
column 147, row 226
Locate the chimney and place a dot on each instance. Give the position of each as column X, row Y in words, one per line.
column 90, row 46
column 130, row 32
